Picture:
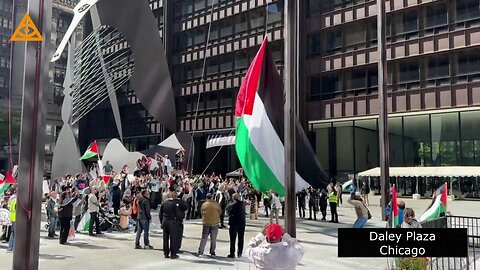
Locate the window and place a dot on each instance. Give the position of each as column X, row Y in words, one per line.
column 436, row 15
column 372, row 77
column 331, row 83
column 226, row 100
column 214, row 32
column 438, row 67
column 257, row 18
column 313, row 6
column 357, row 80
column 3, row 62
column 212, row 67
column 372, row 30
column 274, row 13
column 241, row 60
column 469, row 62
column 241, row 23
column 334, row 40
column 467, row 10
column 212, row 101
column 227, row 28
column 409, row 71
column 200, row 37
column 226, row 63
column 315, row 86
column 314, row 45
column 2, row 82
column 197, row 70
column 410, row 21
column 355, row 34
column 199, row 5
column 187, row 8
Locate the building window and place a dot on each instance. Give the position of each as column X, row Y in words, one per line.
column 355, row 34
column 199, row 5
column 372, row 77
column 409, row 71
column 274, row 13
column 467, row 10
column 357, row 80
column 438, row 67
column 212, row 67
column 187, row 8
column 469, row 62
column 334, row 40
column 314, row 45
column 197, row 70
column 313, row 6
column 227, row 28
column 436, row 15
column 226, row 100
column 410, row 21
column 3, row 62
column 315, row 89
column 2, row 82
column 331, row 83
column 241, row 60
column 226, row 63
column 257, row 18
column 212, row 101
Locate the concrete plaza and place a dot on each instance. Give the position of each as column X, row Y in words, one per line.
column 116, row 250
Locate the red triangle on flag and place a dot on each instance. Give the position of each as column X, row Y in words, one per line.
column 94, row 147
column 9, row 178
column 106, row 178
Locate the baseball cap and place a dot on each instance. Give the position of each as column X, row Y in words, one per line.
column 273, row 232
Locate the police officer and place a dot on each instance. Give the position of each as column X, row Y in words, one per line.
column 172, row 213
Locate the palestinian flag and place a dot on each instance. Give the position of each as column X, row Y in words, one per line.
column 260, row 131
column 394, row 208
column 84, row 223
column 92, row 151
column 7, row 182
column 439, row 205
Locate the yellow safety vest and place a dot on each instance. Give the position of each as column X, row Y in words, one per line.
column 332, row 197
column 12, row 207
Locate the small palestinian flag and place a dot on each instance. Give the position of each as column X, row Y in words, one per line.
column 92, row 151
column 439, row 206
column 260, row 131
column 7, row 182
column 395, row 219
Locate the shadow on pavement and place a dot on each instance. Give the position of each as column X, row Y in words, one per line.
column 54, row 257
column 87, row 246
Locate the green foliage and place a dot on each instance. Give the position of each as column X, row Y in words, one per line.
column 411, row 264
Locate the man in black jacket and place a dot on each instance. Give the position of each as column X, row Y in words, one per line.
column 236, row 220
column 144, row 219
column 172, row 213
column 65, row 212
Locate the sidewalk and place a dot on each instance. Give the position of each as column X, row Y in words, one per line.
column 116, row 250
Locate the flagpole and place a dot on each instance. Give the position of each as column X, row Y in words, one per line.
column 382, row 97
column 290, row 70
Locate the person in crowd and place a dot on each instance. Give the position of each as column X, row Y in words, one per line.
column 94, row 209
column 65, row 212
column 12, row 207
column 200, row 197
column 155, row 195
column 144, row 219
column 172, row 213
column 221, row 198
column 353, row 187
column 323, row 202
column 80, row 183
column 401, row 211
column 167, row 165
column 108, row 168
column 236, row 221
column 77, row 211
column 116, row 198
column 338, row 189
column 124, row 213
column 365, row 192
column 211, row 211
column 266, row 203
column 253, row 199
column 333, row 200
column 282, row 201
column 409, row 220
column 272, row 249
column 301, row 197
column 52, row 214
column 276, row 205
column 360, row 209
column 312, row 203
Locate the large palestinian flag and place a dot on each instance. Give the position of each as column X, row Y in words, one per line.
column 91, row 151
column 260, row 130
column 439, row 205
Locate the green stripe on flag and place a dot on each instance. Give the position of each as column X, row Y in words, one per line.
column 4, row 187
column 257, row 171
column 88, row 155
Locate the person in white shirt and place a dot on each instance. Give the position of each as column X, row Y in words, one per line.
column 276, row 205
column 272, row 251
column 167, row 164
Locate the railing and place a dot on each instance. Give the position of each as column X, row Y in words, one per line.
column 472, row 224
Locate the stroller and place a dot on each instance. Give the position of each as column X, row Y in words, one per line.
column 108, row 221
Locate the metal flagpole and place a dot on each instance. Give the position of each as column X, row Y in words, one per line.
column 382, row 97
column 289, row 111
column 29, row 192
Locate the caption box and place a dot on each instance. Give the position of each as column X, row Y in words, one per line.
column 402, row 242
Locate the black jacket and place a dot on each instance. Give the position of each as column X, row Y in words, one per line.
column 144, row 209
column 65, row 209
column 236, row 213
column 173, row 210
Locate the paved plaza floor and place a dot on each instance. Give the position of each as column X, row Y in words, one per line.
column 116, row 250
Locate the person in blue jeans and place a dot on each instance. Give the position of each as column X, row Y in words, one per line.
column 144, row 219
column 12, row 207
column 52, row 213
column 360, row 209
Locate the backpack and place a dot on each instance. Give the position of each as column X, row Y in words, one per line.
column 135, row 206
